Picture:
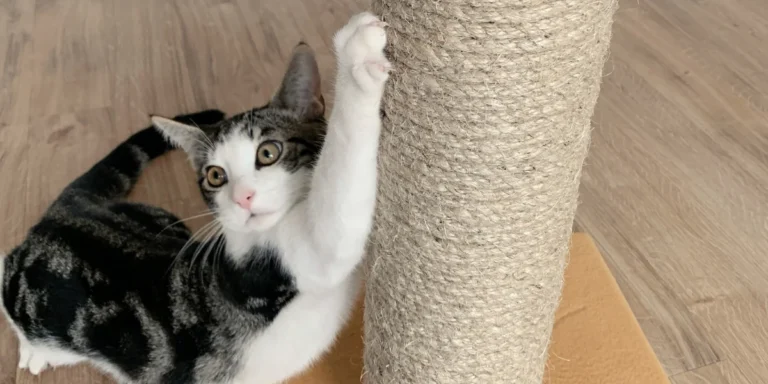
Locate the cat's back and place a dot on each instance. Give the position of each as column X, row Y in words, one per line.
column 119, row 237
column 83, row 250
column 87, row 276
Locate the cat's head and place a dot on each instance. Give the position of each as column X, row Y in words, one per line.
column 253, row 167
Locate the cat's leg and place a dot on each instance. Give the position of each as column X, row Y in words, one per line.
column 336, row 218
column 34, row 355
column 25, row 352
column 43, row 357
column 37, row 358
column 57, row 357
column 29, row 357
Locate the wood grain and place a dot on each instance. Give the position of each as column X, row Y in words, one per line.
column 723, row 372
column 674, row 190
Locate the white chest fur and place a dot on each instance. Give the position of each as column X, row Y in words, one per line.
column 302, row 331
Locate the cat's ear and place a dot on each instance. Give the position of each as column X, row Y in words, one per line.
column 300, row 90
column 185, row 136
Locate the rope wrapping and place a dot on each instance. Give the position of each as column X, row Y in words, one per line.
column 486, row 127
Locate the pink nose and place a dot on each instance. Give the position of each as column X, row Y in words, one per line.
column 243, row 198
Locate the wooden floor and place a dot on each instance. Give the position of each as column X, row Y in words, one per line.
column 675, row 191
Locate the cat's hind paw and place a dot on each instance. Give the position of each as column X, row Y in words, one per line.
column 360, row 50
column 37, row 358
column 25, row 353
column 29, row 359
column 37, row 363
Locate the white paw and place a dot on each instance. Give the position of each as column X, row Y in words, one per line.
column 25, row 352
column 37, row 357
column 37, row 363
column 360, row 51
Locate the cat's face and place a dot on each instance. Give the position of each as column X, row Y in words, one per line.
column 254, row 167
column 258, row 167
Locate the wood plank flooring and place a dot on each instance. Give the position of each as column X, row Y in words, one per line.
column 675, row 187
column 675, row 190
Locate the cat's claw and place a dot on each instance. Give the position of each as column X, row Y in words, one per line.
column 360, row 49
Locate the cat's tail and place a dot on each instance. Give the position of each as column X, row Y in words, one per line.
column 114, row 176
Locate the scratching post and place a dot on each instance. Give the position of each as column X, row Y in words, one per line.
column 487, row 122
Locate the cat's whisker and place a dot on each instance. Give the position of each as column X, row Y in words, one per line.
column 186, row 245
column 212, row 229
column 196, row 253
column 189, row 242
column 217, row 254
column 207, row 145
column 210, row 143
column 203, row 234
column 214, row 246
column 206, row 247
column 203, row 214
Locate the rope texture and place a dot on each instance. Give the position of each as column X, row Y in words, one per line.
column 487, row 122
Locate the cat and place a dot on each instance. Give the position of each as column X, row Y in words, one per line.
column 117, row 284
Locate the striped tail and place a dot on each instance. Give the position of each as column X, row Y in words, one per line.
column 115, row 175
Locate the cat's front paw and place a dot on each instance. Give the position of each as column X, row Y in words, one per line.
column 360, row 51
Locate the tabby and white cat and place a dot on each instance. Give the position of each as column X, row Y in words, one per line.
column 107, row 281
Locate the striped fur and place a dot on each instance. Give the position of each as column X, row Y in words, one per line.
column 96, row 280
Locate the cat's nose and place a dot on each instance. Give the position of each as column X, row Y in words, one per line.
column 244, row 197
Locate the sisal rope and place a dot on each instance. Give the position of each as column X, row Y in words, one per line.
column 486, row 129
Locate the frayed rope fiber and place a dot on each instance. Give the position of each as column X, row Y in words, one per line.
column 486, row 127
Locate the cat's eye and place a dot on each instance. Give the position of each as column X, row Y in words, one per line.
column 268, row 153
column 215, row 176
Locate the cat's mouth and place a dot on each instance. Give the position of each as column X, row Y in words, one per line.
column 260, row 218
column 258, row 215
